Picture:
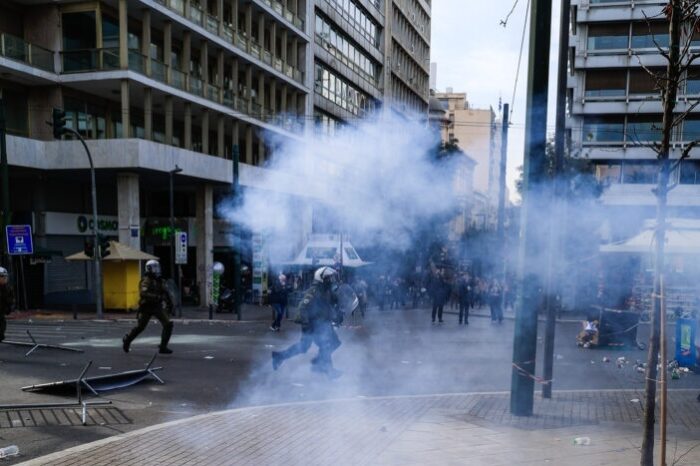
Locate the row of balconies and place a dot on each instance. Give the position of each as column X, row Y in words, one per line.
column 81, row 61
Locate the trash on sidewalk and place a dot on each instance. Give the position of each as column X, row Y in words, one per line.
column 559, row 357
column 606, row 359
column 634, row 400
column 35, row 346
column 208, row 357
column 583, row 441
column 6, row 452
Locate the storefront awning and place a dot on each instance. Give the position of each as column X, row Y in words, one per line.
column 117, row 252
column 682, row 237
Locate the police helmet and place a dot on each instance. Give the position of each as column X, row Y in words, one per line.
column 153, row 267
column 325, row 275
column 3, row 272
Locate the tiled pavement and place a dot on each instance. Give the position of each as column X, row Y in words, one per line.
column 455, row 429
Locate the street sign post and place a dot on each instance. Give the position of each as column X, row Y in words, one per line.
column 181, row 247
column 19, row 240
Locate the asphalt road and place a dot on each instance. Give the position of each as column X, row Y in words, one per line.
column 223, row 365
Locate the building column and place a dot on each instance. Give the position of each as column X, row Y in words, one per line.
column 205, row 242
column 205, row 131
column 236, row 135
column 220, row 15
column 234, row 13
column 123, row 36
column 249, row 87
column 146, row 38
column 273, row 96
column 186, row 55
column 248, row 32
column 169, row 120
column 220, row 135
column 168, row 49
column 188, row 126
column 148, row 113
column 126, row 121
column 261, row 92
column 248, row 145
column 128, row 209
column 261, row 151
column 261, row 31
column 234, row 77
column 295, row 53
column 283, row 99
column 220, row 74
column 204, row 63
column 284, row 46
column 273, row 40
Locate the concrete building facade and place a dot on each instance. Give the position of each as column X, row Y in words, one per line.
column 478, row 134
column 615, row 109
column 150, row 85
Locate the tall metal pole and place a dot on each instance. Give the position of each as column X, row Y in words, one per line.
column 557, row 212
column 95, row 229
column 500, row 226
column 237, row 282
column 534, row 172
column 663, row 375
column 173, row 270
column 4, row 187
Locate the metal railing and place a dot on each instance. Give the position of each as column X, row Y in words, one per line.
column 137, row 61
column 86, row 60
column 211, row 23
column 178, row 79
column 14, row 48
column 196, row 86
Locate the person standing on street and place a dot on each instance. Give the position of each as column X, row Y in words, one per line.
column 439, row 292
column 155, row 302
column 7, row 300
column 279, row 297
column 464, row 298
column 495, row 296
column 316, row 315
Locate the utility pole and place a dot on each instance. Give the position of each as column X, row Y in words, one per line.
column 555, row 220
column 501, row 229
column 237, row 292
column 534, row 173
column 173, row 270
column 4, row 186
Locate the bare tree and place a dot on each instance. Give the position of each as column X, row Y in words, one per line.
column 683, row 24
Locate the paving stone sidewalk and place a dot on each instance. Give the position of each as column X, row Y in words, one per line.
column 455, row 429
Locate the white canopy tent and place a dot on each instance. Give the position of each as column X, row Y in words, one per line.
column 682, row 237
column 322, row 250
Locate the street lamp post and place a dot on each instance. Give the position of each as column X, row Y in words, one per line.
column 174, row 274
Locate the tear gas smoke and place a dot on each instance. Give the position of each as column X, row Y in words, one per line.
column 377, row 178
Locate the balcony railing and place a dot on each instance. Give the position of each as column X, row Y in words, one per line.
column 212, row 92
column 211, row 23
column 137, row 61
column 178, row 79
column 18, row 49
column 159, row 71
column 86, row 60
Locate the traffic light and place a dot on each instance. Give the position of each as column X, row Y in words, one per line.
column 104, row 246
column 59, row 123
column 89, row 247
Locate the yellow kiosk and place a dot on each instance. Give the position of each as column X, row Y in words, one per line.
column 121, row 273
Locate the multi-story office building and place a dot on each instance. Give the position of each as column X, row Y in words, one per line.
column 370, row 53
column 615, row 108
column 477, row 133
column 150, row 85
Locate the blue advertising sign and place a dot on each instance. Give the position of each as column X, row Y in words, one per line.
column 19, row 239
column 685, row 342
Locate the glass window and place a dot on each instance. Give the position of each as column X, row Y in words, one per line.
column 16, row 110
column 608, row 36
column 641, row 82
column 603, row 129
column 79, row 31
column 110, row 32
column 689, row 172
column 606, row 83
column 648, row 35
column 691, row 129
column 639, row 173
column 644, row 128
column 692, row 84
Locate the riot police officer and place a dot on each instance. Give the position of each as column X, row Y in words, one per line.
column 155, row 302
column 7, row 301
column 317, row 312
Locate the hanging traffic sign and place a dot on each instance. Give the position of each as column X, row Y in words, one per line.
column 19, row 240
column 181, row 247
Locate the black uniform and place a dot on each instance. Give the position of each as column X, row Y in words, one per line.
column 155, row 302
column 316, row 314
column 7, row 305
